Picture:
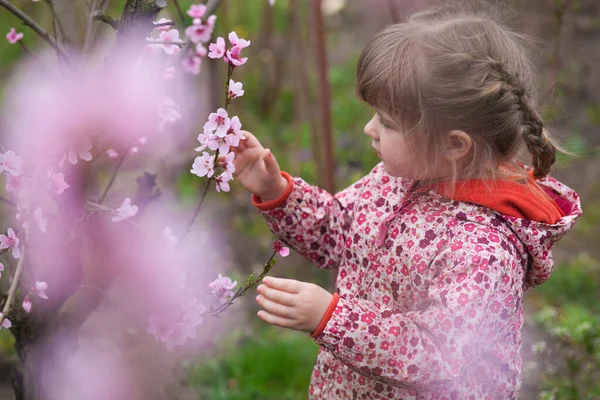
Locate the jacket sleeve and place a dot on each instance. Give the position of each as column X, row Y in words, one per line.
column 468, row 307
column 314, row 222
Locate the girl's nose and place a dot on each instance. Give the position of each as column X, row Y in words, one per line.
column 371, row 128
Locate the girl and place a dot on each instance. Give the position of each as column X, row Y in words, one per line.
column 436, row 245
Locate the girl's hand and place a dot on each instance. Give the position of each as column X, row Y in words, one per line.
column 257, row 170
column 292, row 304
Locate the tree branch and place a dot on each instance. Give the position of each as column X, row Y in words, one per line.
column 13, row 286
column 98, row 15
column 32, row 24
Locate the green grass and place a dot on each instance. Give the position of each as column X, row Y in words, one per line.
column 272, row 364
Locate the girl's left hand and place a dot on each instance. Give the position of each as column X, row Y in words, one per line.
column 292, row 304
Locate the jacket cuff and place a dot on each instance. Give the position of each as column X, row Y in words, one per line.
column 326, row 317
column 272, row 204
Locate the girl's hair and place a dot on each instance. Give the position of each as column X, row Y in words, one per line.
column 447, row 70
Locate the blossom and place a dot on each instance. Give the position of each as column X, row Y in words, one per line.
column 235, row 89
column 201, row 50
column 272, row 2
column 168, row 238
column 160, row 328
column 222, row 287
column 169, row 73
column 13, row 37
column 219, row 143
column 228, row 162
column 223, row 181
column 13, row 184
column 237, row 42
column 234, row 56
column 235, row 128
column 163, row 21
column 200, row 32
column 217, row 49
column 204, row 139
column 80, row 149
column 204, row 165
column 27, row 304
column 11, row 163
column 57, row 182
column 41, row 220
column 10, row 242
column 112, row 153
column 172, row 35
column 192, row 63
column 196, row 10
column 168, row 112
column 278, row 247
column 218, row 122
column 39, row 289
column 5, row 323
column 125, row 211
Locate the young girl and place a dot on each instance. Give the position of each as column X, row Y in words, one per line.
column 436, row 245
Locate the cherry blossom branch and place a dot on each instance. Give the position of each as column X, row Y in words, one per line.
column 113, row 177
column 180, row 12
column 32, row 24
column 249, row 285
column 198, row 207
column 13, row 286
column 180, row 44
column 98, row 15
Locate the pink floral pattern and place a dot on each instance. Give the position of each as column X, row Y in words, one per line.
column 431, row 310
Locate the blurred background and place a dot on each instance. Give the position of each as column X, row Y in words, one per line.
column 283, row 106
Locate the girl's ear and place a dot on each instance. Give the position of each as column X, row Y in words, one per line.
column 459, row 145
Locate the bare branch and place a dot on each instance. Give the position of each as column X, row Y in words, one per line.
column 32, row 24
column 13, row 286
column 107, row 19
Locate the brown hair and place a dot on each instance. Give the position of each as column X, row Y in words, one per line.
column 458, row 70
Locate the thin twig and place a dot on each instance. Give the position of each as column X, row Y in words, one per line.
column 113, row 177
column 198, row 208
column 164, row 24
column 107, row 19
column 180, row 44
column 13, row 286
column 7, row 201
column 180, row 12
column 31, row 23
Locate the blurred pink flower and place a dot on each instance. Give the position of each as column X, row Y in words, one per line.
column 172, row 35
column 218, row 122
column 11, row 163
column 234, row 56
column 235, row 89
column 201, row 50
column 80, row 149
column 196, row 10
column 168, row 112
column 10, row 242
column 57, row 182
column 39, row 289
column 5, row 323
column 125, row 211
column 191, row 63
column 169, row 240
column 112, row 153
column 41, row 221
column 13, row 37
column 218, row 49
column 163, row 21
column 13, row 184
column 237, row 42
column 278, row 247
column 272, row 2
column 169, row 73
column 222, row 287
column 27, row 304
column 199, row 31
column 204, row 165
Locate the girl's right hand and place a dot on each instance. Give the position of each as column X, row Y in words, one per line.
column 257, row 169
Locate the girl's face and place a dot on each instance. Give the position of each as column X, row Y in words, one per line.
column 391, row 146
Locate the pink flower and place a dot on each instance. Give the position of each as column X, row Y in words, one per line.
column 223, row 182
column 192, row 64
column 13, row 184
column 168, row 112
column 168, row 238
column 13, row 37
column 57, row 182
column 228, row 163
column 218, row 122
column 217, row 50
column 196, row 10
column 163, row 21
column 39, row 289
column 272, row 2
column 219, row 143
column 80, row 149
column 125, row 211
column 134, row 150
column 5, row 323
column 204, row 165
column 27, row 304
column 278, row 247
column 11, row 163
column 169, row 73
column 10, row 242
column 172, row 35
column 143, row 140
column 112, row 153
column 199, row 32
column 235, row 89
column 201, row 50
column 160, row 328
column 234, row 56
column 204, row 139
column 41, row 220
column 235, row 128
column 222, row 288
column 237, row 42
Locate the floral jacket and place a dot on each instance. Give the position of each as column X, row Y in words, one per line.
column 431, row 289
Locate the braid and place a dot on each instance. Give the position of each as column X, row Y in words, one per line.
column 541, row 148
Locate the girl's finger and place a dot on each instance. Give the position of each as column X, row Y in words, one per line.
column 274, row 308
column 275, row 320
column 278, row 296
column 271, row 165
column 287, row 285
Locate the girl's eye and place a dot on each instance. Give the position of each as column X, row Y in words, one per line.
column 384, row 124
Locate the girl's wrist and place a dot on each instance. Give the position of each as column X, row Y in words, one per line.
column 277, row 192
